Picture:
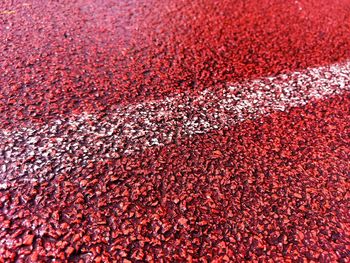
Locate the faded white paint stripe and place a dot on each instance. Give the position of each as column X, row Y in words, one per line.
column 43, row 151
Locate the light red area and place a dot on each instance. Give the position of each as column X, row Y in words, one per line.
column 63, row 57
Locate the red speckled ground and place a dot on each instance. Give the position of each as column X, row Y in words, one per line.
column 63, row 56
column 273, row 188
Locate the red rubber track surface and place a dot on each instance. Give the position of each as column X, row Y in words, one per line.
column 59, row 57
column 275, row 188
column 278, row 189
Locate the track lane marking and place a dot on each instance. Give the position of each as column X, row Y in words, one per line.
column 42, row 151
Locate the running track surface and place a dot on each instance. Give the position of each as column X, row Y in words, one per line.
column 175, row 131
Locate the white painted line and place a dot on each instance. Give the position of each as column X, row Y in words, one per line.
column 46, row 150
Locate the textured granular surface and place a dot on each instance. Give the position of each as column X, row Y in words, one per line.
column 175, row 131
column 59, row 57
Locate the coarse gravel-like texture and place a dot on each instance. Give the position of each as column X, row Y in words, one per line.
column 273, row 188
column 63, row 57
column 174, row 131
column 43, row 151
